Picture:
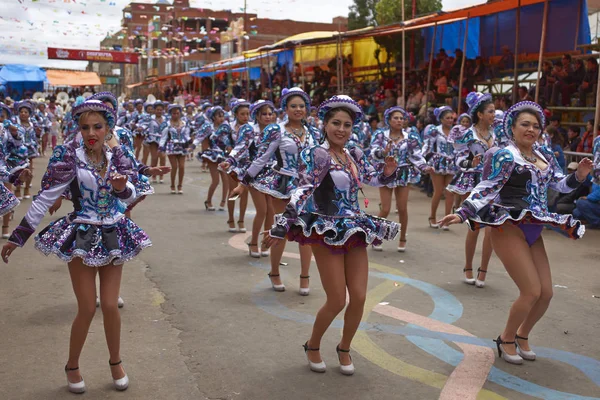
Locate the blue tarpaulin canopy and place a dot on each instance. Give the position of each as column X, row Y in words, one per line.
column 20, row 79
column 489, row 33
column 254, row 72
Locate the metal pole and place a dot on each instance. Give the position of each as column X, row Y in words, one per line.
column 302, row 79
column 247, row 80
column 338, row 64
column 403, row 58
column 516, row 54
column 342, row 63
column 577, row 24
column 430, row 64
column 597, row 113
column 541, row 55
column 462, row 65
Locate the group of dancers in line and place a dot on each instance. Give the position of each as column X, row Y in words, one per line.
column 304, row 178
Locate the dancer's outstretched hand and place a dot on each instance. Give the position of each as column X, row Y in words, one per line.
column 118, row 182
column 584, row 168
column 450, row 219
column 56, row 206
column 7, row 250
column 391, row 164
column 268, row 240
column 155, row 171
column 25, row 174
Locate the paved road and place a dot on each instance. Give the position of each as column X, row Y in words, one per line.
column 201, row 322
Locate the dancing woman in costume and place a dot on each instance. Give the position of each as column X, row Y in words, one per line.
column 218, row 133
column 324, row 213
column 405, row 148
column 238, row 160
column 96, row 238
column 440, row 155
column 152, row 134
column 27, row 131
column 512, row 199
column 470, row 145
column 174, row 142
column 284, row 142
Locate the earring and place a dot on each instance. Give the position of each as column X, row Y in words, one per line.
column 108, row 137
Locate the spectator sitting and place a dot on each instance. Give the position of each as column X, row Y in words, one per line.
column 508, row 59
column 565, row 202
column 589, row 83
column 557, row 144
column 587, row 209
column 441, row 83
column 544, row 84
column 390, row 99
column 369, row 107
column 478, row 73
column 415, row 99
column 524, row 94
column 586, row 144
column 564, row 83
column 555, row 122
column 573, row 138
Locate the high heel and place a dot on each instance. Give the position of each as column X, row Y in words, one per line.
column 173, row 190
column 208, row 207
column 304, row 291
column 77, row 387
column 5, row 234
column 345, row 369
column 232, row 229
column 479, row 283
column 265, row 253
column 525, row 354
column 253, row 254
column 315, row 367
column 222, row 206
column 241, row 227
column 511, row 359
column 377, row 247
column 121, row 383
column 402, row 249
column 469, row 281
column 433, row 225
column 277, row 288
column 179, row 189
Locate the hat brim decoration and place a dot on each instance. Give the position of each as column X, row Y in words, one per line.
column 174, row 107
column 340, row 102
column 238, row 104
column 465, row 115
column 482, row 99
column 213, row 110
column 438, row 112
column 511, row 115
column 24, row 104
column 286, row 94
column 96, row 106
column 146, row 105
column 205, row 106
column 105, row 96
column 254, row 108
column 138, row 101
column 4, row 107
column 388, row 113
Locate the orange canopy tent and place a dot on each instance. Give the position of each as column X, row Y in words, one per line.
column 72, row 78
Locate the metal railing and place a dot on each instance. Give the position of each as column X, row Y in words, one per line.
column 571, row 156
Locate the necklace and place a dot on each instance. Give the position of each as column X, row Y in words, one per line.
column 297, row 132
column 485, row 138
column 96, row 165
column 531, row 159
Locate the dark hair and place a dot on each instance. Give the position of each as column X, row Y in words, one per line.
column 287, row 102
column 480, row 108
column 591, row 122
column 441, row 117
column 239, row 108
column 555, row 118
column 329, row 114
column 216, row 113
column 530, row 111
column 555, row 135
column 374, row 117
column 567, row 56
column 575, row 129
column 592, row 60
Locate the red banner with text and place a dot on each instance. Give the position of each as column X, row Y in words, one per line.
column 92, row 55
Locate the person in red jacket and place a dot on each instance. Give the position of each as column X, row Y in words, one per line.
column 586, row 144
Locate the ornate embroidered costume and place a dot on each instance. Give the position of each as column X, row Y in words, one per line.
column 438, row 151
column 175, row 140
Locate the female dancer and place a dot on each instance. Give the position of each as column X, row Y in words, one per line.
column 283, row 142
column 96, row 238
column 470, row 145
column 405, row 148
column 241, row 111
column 218, row 132
column 174, row 142
column 324, row 213
column 512, row 197
column 28, row 133
column 262, row 114
column 136, row 128
column 465, row 120
column 152, row 134
column 440, row 155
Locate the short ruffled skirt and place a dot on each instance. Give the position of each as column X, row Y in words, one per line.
column 495, row 216
column 175, row 149
column 148, row 139
column 8, row 201
column 215, row 156
column 96, row 245
column 405, row 175
column 442, row 165
column 464, row 182
column 341, row 234
column 14, row 162
column 277, row 185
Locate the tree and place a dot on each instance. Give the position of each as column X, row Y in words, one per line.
column 362, row 14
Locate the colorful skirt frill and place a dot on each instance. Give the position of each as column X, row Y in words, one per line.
column 464, row 182
column 142, row 189
column 495, row 216
column 277, row 185
column 405, row 175
column 149, row 139
column 96, row 245
column 8, row 201
column 215, row 156
column 442, row 165
column 341, row 234
column 175, row 149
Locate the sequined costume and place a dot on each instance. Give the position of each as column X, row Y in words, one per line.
column 153, row 129
column 596, row 153
column 220, row 142
column 8, row 201
column 324, row 208
column 174, row 140
column 274, row 171
column 438, row 152
column 407, row 152
column 467, row 145
column 96, row 231
column 244, row 151
column 513, row 190
column 15, row 151
column 30, row 139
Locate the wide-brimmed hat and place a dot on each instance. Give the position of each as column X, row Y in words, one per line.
column 340, row 101
column 105, row 96
column 476, row 99
column 438, row 112
column 96, row 106
column 256, row 106
column 388, row 114
column 174, row 106
column 286, row 94
column 212, row 111
column 513, row 112
column 237, row 104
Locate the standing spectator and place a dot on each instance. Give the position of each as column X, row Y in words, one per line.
column 552, row 79
column 390, row 99
column 564, row 83
column 557, row 144
column 415, row 99
column 524, row 94
column 586, row 144
column 544, row 84
column 589, row 83
column 573, row 138
column 508, row 59
column 555, row 122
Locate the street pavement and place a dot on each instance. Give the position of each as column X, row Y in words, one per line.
column 201, row 322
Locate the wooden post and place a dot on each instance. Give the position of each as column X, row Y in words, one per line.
column 495, row 38
column 462, row 65
column 247, row 79
column 516, row 54
column 429, row 70
column 301, row 66
column 577, row 24
column 542, row 46
column 213, row 87
column 597, row 113
column 403, row 58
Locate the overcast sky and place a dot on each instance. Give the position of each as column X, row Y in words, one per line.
column 28, row 27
